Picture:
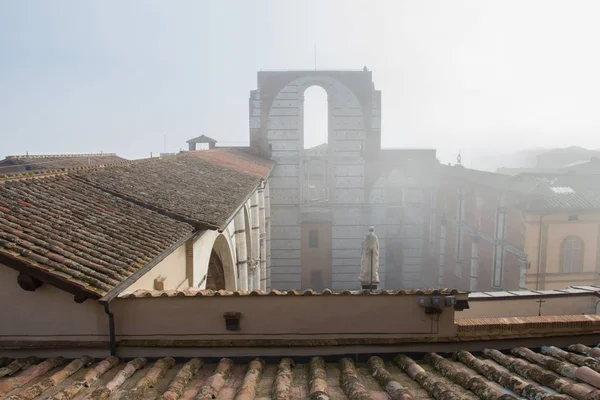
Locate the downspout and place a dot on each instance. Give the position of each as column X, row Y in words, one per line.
column 111, row 329
column 539, row 260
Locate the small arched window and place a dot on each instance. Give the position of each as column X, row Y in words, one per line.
column 572, row 255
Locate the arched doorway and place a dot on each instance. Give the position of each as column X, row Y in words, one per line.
column 215, row 278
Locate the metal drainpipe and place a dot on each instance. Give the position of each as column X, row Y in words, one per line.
column 111, row 328
column 539, row 260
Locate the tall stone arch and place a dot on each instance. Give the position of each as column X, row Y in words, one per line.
column 351, row 155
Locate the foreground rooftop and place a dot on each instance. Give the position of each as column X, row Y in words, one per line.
column 547, row 373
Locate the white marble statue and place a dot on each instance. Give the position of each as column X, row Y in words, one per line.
column 370, row 248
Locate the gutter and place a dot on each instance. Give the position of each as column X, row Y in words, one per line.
column 242, row 204
column 111, row 329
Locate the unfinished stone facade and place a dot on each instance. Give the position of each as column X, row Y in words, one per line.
column 323, row 199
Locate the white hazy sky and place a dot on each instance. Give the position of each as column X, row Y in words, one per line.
column 474, row 75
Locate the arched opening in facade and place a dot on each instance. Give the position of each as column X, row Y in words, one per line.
column 215, row 278
column 572, row 255
column 316, row 117
column 221, row 267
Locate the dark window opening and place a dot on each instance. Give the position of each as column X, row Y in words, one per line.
column 313, row 239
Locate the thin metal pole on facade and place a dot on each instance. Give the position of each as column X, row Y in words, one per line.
column 371, row 280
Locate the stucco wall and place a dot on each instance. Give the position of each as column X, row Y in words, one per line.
column 173, row 268
column 559, row 231
column 573, row 305
column 47, row 314
column 555, row 229
column 282, row 315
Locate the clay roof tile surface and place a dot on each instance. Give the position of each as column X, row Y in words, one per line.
column 63, row 227
column 550, row 373
column 58, row 161
column 204, row 187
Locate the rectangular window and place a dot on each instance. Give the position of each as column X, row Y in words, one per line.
column 313, row 239
column 459, row 205
column 458, row 252
column 501, row 223
column 498, row 266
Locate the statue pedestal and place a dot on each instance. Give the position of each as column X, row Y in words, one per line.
column 368, row 287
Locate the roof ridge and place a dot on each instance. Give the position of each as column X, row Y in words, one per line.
column 36, row 174
column 75, row 155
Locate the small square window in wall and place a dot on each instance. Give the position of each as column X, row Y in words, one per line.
column 573, row 217
column 313, row 239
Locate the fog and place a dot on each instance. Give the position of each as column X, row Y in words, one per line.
column 482, row 77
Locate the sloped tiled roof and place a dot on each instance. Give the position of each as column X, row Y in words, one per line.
column 565, row 192
column 59, row 161
column 202, row 187
column 61, row 226
column 549, row 373
column 488, row 179
column 202, row 139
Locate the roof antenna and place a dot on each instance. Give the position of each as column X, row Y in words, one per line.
column 459, row 159
column 27, row 153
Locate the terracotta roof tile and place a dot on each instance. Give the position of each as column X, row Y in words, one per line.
column 203, row 187
column 58, row 161
column 492, row 375
column 84, row 236
column 141, row 293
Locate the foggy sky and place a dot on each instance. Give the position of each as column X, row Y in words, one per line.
column 117, row 76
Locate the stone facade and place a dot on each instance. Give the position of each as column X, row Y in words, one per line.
column 324, row 199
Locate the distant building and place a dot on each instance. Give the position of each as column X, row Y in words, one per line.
column 479, row 241
column 565, row 251
column 489, row 235
column 324, row 198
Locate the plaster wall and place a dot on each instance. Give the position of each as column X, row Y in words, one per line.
column 555, row 229
column 529, row 307
column 172, row 268
column 48, row 314
column 268, row 315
